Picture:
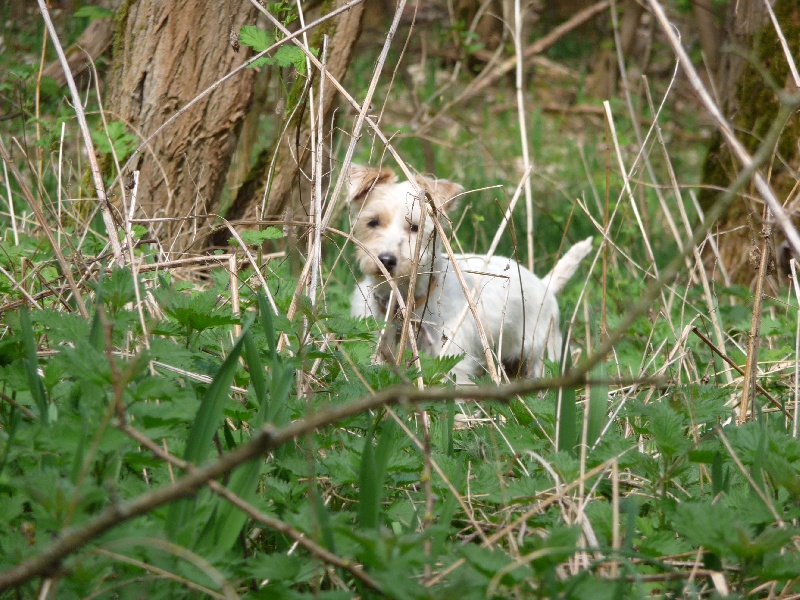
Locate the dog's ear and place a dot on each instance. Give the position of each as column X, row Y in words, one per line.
column 442, row 191
column 362, row 179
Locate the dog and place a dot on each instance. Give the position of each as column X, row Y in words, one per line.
column 399, row 248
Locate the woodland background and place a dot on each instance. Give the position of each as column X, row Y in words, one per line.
column 187, row 410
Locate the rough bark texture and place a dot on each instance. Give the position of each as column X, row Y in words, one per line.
column 293, row 148
column 165, row 53
column 751, row 104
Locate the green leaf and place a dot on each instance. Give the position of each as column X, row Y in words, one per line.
column 256, row 238
column 290, row 55
column 223, row 528
column 93, row 12
column 211, row 409
column 117, row 289
column 720, row 482
column 31, row 362
column 667, row 428
column 197, row 312
column 566, row 426
column 566, row 413
column 372, row 474
column 257, row 39
column 712, row 526
column 205, row 424
column 115, row 138
column 597, row 406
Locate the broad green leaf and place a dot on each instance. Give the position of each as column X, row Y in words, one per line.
column 256, row 238
column 720, row 482
column 369, row 494
column 93, row 12
column 668, row 429
column 257, row 39
column 291, row 56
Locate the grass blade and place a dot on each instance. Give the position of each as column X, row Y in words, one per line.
column 368, row 491
column 213, row 405
column 372, row 475
column 596, row 406
column 566, row 414
column 32, row 365
column 227, row 522
column 205, row 424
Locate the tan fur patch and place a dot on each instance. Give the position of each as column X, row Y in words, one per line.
column 363, row 179
column 441, row 190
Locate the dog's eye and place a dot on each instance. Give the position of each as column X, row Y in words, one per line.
column 374, row 222
column 413, row 227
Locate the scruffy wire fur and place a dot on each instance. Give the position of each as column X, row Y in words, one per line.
column 517, row 309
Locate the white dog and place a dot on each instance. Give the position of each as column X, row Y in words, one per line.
column 518, row 311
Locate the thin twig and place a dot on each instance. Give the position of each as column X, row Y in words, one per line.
column 739, row 370
column 754, row 339
column 66, row 269
column 786, row 50
column 77, row 106
column 523, row 129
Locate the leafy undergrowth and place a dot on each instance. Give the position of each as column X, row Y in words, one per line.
column 190, row 438
column 642, row 490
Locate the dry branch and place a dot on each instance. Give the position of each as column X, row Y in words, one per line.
column 66, row 268
column 92, row 43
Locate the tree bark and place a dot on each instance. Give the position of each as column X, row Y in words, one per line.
column 709, row 31
column 293, row 147
column 751, row 104
column 602, row 82
column 165, row 53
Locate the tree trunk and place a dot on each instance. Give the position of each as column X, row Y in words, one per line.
column 602, row 82
column 751, row 105
column 293, row 147
column 709, row 31
column 165, row 53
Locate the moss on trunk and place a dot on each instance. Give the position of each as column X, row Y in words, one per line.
column 752, row 111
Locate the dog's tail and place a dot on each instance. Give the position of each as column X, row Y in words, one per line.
column 565, row 268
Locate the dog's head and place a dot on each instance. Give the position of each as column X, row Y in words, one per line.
column 388, row 218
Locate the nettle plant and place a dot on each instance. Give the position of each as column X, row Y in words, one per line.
column 327, row 483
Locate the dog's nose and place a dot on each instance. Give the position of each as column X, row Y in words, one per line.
column 389, row 261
